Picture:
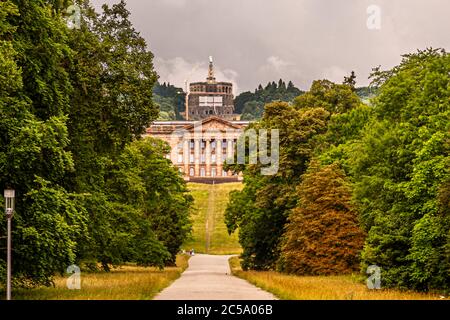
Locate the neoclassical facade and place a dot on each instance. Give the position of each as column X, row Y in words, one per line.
column 199, row 148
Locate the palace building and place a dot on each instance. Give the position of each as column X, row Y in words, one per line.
column 199, row 148
column 201, row 144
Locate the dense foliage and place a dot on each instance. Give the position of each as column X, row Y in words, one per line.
column 260, row 210
column 170, row 100
column 251, row 104
column 322, row 235
column 393, row 158
column 401, row 168
column 73, row 106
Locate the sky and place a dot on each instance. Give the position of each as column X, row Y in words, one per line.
column 257, row 41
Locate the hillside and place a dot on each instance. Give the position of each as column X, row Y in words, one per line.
column 170, row 100
column 251, row 104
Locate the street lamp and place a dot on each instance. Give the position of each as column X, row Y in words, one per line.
column 9, row 195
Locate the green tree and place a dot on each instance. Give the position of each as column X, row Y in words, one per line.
column 335, row 98
column 113, row 77
column 152, row 184
column 72, row 103
column 351, row 81
column 252, row 110
column 399, row 165
column 33, row 150
column 246, row 101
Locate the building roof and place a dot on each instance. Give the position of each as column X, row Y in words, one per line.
column 170, row 126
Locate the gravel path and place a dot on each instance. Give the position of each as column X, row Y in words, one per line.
column 208, row 278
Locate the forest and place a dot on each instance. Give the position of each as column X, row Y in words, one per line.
column 358, row 184
column 363, row 179
column 74, row 103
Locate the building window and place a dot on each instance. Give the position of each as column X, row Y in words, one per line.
column 180, row 158
column 203, row 158
column 213, row 158
column 191, row 172
column 224, row 144
column 191, row 144
column 191, row 158
column 202, row 172
column 213, row 172
column 224, row 173
column 213, row 144
column 210, row 101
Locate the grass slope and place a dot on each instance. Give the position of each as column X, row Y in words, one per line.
column 209, row 230
column 344, row 287
column 124, row 283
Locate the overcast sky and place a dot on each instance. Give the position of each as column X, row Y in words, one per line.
column 256, row 41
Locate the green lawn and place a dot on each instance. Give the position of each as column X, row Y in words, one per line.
column 209, row 230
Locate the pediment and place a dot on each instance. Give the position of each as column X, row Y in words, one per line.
column 213, row 124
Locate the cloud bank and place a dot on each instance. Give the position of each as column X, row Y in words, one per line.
column 256, row 41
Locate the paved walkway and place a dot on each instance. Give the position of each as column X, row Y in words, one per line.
column 208, row 278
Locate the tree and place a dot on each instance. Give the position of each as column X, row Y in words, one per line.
column 170, row 101
column 271, row 93
column 144, row 216
column 113, row 77
column 399, row 165
column 335, row 98
column 260, row 210
column 155, row 186
column 73, row 104
column 322, row 235
column 252, row 110
column 351, row 81
column 34, row 96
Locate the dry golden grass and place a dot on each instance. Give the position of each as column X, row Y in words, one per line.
column 123, row 283
column 345, row 287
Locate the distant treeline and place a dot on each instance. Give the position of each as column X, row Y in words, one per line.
column 170, row 100
column 251, row 104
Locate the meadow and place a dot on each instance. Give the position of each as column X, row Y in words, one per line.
column 210, row 233
column 341, row 287
column 129, row 282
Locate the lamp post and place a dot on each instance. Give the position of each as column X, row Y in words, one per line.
column 9, row 195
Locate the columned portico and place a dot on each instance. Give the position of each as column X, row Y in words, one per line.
column 186, row 154
column 197, row 156
column 200, row 148
column 208, row 157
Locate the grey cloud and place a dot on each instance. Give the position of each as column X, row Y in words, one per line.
column 300, row 40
